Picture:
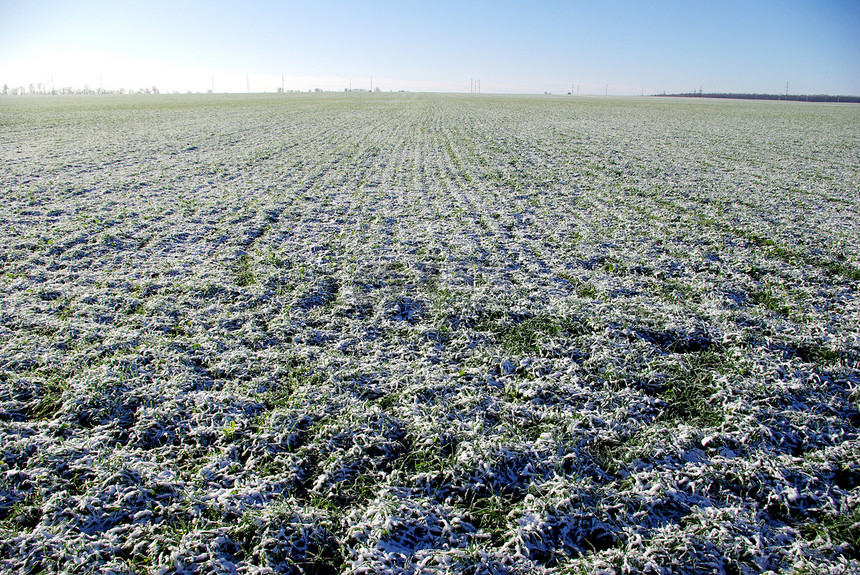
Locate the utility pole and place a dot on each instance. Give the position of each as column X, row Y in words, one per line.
column 282, row 83
column 213, row 84
column 248, row 83
column 371, row 83
column 786, row 90
column 606, row 91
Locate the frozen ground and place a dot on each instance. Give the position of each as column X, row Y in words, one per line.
column 415, row 334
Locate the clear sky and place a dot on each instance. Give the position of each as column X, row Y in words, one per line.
column 511, row 46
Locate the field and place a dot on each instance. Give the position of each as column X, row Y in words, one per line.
column 429, row 333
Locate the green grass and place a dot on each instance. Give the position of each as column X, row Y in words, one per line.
column 490, row 514
column 243, row 272
column 841, row 269
column 690, row 388
column 840, row 529
column 24, row 514
column 768, row 298
column 50, row 400
column 299, row 374
column 583, row 289
column 530, row 337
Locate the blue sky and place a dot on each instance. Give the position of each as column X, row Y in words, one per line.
column 512, row 46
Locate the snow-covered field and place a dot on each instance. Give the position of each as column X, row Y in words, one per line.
column 424, row 333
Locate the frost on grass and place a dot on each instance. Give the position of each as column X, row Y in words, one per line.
column 418, row 334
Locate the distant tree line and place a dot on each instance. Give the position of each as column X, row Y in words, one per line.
column 41, row 90
column 789, row 97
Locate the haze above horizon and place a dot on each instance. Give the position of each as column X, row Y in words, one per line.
column 620, row 47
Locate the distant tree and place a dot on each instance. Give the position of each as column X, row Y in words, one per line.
column 5, row 89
